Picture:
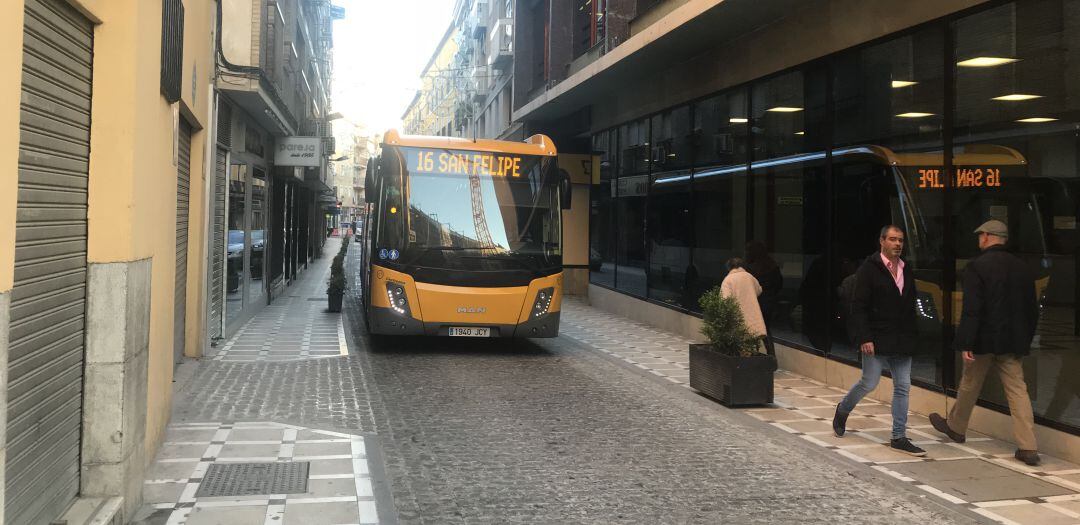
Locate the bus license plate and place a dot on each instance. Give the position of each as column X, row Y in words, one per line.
column 469, row 331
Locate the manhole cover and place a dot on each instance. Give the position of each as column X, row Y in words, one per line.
column 246, row 479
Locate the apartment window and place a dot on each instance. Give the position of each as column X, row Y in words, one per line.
column 588, row 24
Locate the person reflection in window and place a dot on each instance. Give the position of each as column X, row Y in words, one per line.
column 762, row 266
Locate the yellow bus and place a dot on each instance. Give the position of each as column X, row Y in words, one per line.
column 463, row 238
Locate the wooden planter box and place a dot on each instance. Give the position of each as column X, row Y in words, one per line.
column 732, row 380
column 334, row 301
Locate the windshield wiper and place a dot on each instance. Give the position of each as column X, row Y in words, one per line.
column 458, row 248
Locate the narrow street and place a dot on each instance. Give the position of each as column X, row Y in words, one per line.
column 534, row 431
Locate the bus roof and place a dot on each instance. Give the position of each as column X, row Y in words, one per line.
column 534, row 145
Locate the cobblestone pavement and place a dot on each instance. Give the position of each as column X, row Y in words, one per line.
column 551, row 431
column 980, row 475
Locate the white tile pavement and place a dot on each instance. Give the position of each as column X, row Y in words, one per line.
column 339, row 491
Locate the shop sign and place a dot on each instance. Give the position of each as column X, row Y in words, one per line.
column 298, row 151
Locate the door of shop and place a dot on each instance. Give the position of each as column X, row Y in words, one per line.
column 217, row 246
column 48, row 301
column 183, row 192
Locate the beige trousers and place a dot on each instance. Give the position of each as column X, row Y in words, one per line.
column 1011, row 372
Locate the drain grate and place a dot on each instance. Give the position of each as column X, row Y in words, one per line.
column 246, row 479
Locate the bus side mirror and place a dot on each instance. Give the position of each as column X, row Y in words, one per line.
column 369, row 179
column 369, row 186
column 566, row 189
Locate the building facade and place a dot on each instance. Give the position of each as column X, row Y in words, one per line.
column 789, row 132
column 272, row 187
column 484, row 66
column 105, row 110
column 437, row 108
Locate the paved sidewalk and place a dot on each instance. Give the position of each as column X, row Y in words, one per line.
column 980, row 475
column 295, row 326
column 238, row 385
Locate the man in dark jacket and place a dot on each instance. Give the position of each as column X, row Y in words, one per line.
column 882, row 323
column 997, row 325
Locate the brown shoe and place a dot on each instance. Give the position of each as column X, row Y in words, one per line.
column 1031, row 457
column 941, row 425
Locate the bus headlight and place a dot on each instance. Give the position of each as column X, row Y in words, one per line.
column 925, row 305
column 543, row 302
column 395, row 292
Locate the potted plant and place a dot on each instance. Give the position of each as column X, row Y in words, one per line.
column 335, row 288
column 731, row 367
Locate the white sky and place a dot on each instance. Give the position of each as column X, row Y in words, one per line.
column 379, row 50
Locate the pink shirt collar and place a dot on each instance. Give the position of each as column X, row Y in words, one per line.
column 899, row 279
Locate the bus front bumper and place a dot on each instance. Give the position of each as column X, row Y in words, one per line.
column 388, row 322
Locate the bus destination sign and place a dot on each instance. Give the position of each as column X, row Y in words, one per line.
column 930, row 178
column 464, row 163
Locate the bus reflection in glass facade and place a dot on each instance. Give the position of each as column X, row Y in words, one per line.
column 797, row 172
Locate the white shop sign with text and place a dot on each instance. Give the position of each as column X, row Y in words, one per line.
column 298, row 151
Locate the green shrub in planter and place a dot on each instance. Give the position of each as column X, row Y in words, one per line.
column 335, row 287
column 729, row 368
column 724, row 326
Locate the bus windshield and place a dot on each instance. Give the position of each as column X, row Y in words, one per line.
column 472, row 211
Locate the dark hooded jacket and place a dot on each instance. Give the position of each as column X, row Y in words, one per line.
column 880, row 313
column 1000, row 308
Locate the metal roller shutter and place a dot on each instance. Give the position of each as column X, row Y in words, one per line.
column 217, row 246
column 48, row 301
column 183, row 191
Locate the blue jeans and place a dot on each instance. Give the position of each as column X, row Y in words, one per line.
column 900, row 366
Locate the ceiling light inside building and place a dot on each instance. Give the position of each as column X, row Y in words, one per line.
column 784, row 109
column 915, row 114
column 902, row 83
column 1036, row 119
column 985, row 62
column 738, row 120
column 1015, row 97
column 800, row 133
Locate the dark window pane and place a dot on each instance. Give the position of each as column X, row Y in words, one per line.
column 630, row 237
column 789, row 201
column 670, row 238
column 1016, row 122
column 634, row 147
column 671, row 134
column 602, row 215
column 720, row 128
column 888, row 102
column 720, row 196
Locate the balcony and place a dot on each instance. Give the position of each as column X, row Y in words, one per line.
column 501, row 45
column 479, row 17
column 479, row 84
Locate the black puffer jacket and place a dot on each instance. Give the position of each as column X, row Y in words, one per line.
column 1000, row 308
column 880, row 313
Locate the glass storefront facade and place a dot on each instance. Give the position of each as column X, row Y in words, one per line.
column 937, row 129
column 248, row 206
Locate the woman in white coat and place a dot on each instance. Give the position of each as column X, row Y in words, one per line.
column 741, row 285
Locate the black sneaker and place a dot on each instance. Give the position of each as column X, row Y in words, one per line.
column 907, row 447
column 1029, row 457
column 839, row 423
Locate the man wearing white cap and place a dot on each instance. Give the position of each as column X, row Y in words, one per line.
column 997, row 325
